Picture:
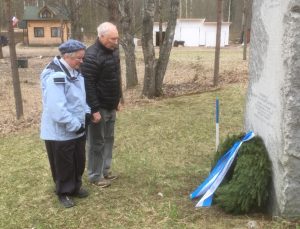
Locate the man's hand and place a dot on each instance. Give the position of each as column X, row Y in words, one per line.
column 96, row 117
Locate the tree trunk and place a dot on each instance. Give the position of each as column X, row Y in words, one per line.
column 160, row 25
column 229, row 10
column 166, row 47
column 186, row 8
column 75, row 15
column 243, row 23
column 127, row 42
column 218, row 41
column 155, row 69
column 13, row 60
column 245, row 29
column 180, row 9
column 62, row 31
column 191, row 9
column 1, row 52
column 113, row 10
column 148, row 48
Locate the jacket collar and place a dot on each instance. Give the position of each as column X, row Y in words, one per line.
column 66, row 68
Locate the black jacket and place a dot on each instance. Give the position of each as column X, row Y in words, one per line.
column 102, row 76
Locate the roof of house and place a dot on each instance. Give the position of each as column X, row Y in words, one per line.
column 214, row 23
column 201, row 20
column 195, row 20
column 163, row 24
column 33, row 13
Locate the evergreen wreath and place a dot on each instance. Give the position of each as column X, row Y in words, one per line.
column 246, row 187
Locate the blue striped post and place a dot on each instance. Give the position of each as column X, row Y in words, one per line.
column 217, row 124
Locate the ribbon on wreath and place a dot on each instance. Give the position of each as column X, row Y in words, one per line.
column 212, row 182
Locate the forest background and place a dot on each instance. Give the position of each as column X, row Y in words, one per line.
column 95, row 11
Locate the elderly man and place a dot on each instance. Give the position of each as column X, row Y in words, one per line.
column 63, row 120
column 101, row 70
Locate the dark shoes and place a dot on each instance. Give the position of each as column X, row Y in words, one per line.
column 82, row 193
column 66, row 201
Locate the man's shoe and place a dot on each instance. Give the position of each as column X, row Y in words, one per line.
column 102, row 183
column 66, row 201
column 110, row 176
column 82, row 193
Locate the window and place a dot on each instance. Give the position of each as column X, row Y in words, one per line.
column 38, row 32
column 55, row 32
column 45, row 14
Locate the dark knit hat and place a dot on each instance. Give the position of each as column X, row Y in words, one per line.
column 71, row 46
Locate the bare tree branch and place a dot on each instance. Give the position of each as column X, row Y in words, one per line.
column 102, row 3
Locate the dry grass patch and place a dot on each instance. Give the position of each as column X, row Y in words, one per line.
column 163, row 151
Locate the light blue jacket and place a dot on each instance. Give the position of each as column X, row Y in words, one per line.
column 64, row 102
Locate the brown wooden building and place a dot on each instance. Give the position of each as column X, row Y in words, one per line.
column 44, row 26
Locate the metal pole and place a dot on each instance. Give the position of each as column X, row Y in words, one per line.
column 217, row 124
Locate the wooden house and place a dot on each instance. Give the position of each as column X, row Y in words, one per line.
column 44, row 26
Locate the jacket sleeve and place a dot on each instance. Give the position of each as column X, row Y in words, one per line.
column 56, row 103
column 90, row 71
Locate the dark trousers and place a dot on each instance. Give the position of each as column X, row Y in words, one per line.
column 67, row 163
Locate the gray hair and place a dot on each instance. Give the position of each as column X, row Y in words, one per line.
column 104, row 28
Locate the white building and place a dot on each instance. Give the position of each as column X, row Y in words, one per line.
column 195, row 32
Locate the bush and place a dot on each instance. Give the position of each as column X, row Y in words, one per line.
column 246, row 187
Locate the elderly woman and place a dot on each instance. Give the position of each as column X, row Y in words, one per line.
column 63, row 120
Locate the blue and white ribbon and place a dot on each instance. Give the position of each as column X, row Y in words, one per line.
column 211, row 183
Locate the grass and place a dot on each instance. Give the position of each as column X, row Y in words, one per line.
column 162, row 152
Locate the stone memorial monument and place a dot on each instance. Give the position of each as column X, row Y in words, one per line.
column 273, row 100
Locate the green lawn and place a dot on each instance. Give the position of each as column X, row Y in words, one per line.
column 163, row 151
